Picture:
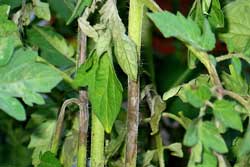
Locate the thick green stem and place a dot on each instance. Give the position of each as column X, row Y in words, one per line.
column 134, row 30
column 97, row 142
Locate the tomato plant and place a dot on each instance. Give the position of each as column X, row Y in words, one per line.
column 79, row 86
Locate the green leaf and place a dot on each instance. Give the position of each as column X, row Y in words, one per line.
column 176, row 149
column 216, row 16
column 64, row 10
column 115, row 143
column 40, row 140
column 126, row 55
column 237, row 33
column 12, row 107
column 70, row 147
column 6, row 49
column 48, row 159
column 23, row 77
column 234, row 81
column 125, row 49
column 176, row 26
column 12, row 3
column 79, row 8
column 148, row 157
column 244, row 147
column 41, row 10
column 208, row 159
column 171, row 93
column 105, row 90
column 191, row 136
column 54, row 47
column 211, row 138
column 7, row 27
column 196, row 155
column 197, row 96
column 243, row 161
column 9, row 36
column 225, row 112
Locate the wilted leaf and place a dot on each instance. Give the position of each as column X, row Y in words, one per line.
column 176, row 26
column 54, row 47
column 103, row 42
column 158, row 106
column 87, row 29
column 125, row 48
column 225, row 112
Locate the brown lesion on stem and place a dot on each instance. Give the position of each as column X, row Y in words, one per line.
column 133, row 120
column 83, row 97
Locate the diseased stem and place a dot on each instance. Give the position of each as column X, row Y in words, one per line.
column 134, row 30
column 59, row 123
column 84, row 114
column 97, row 142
